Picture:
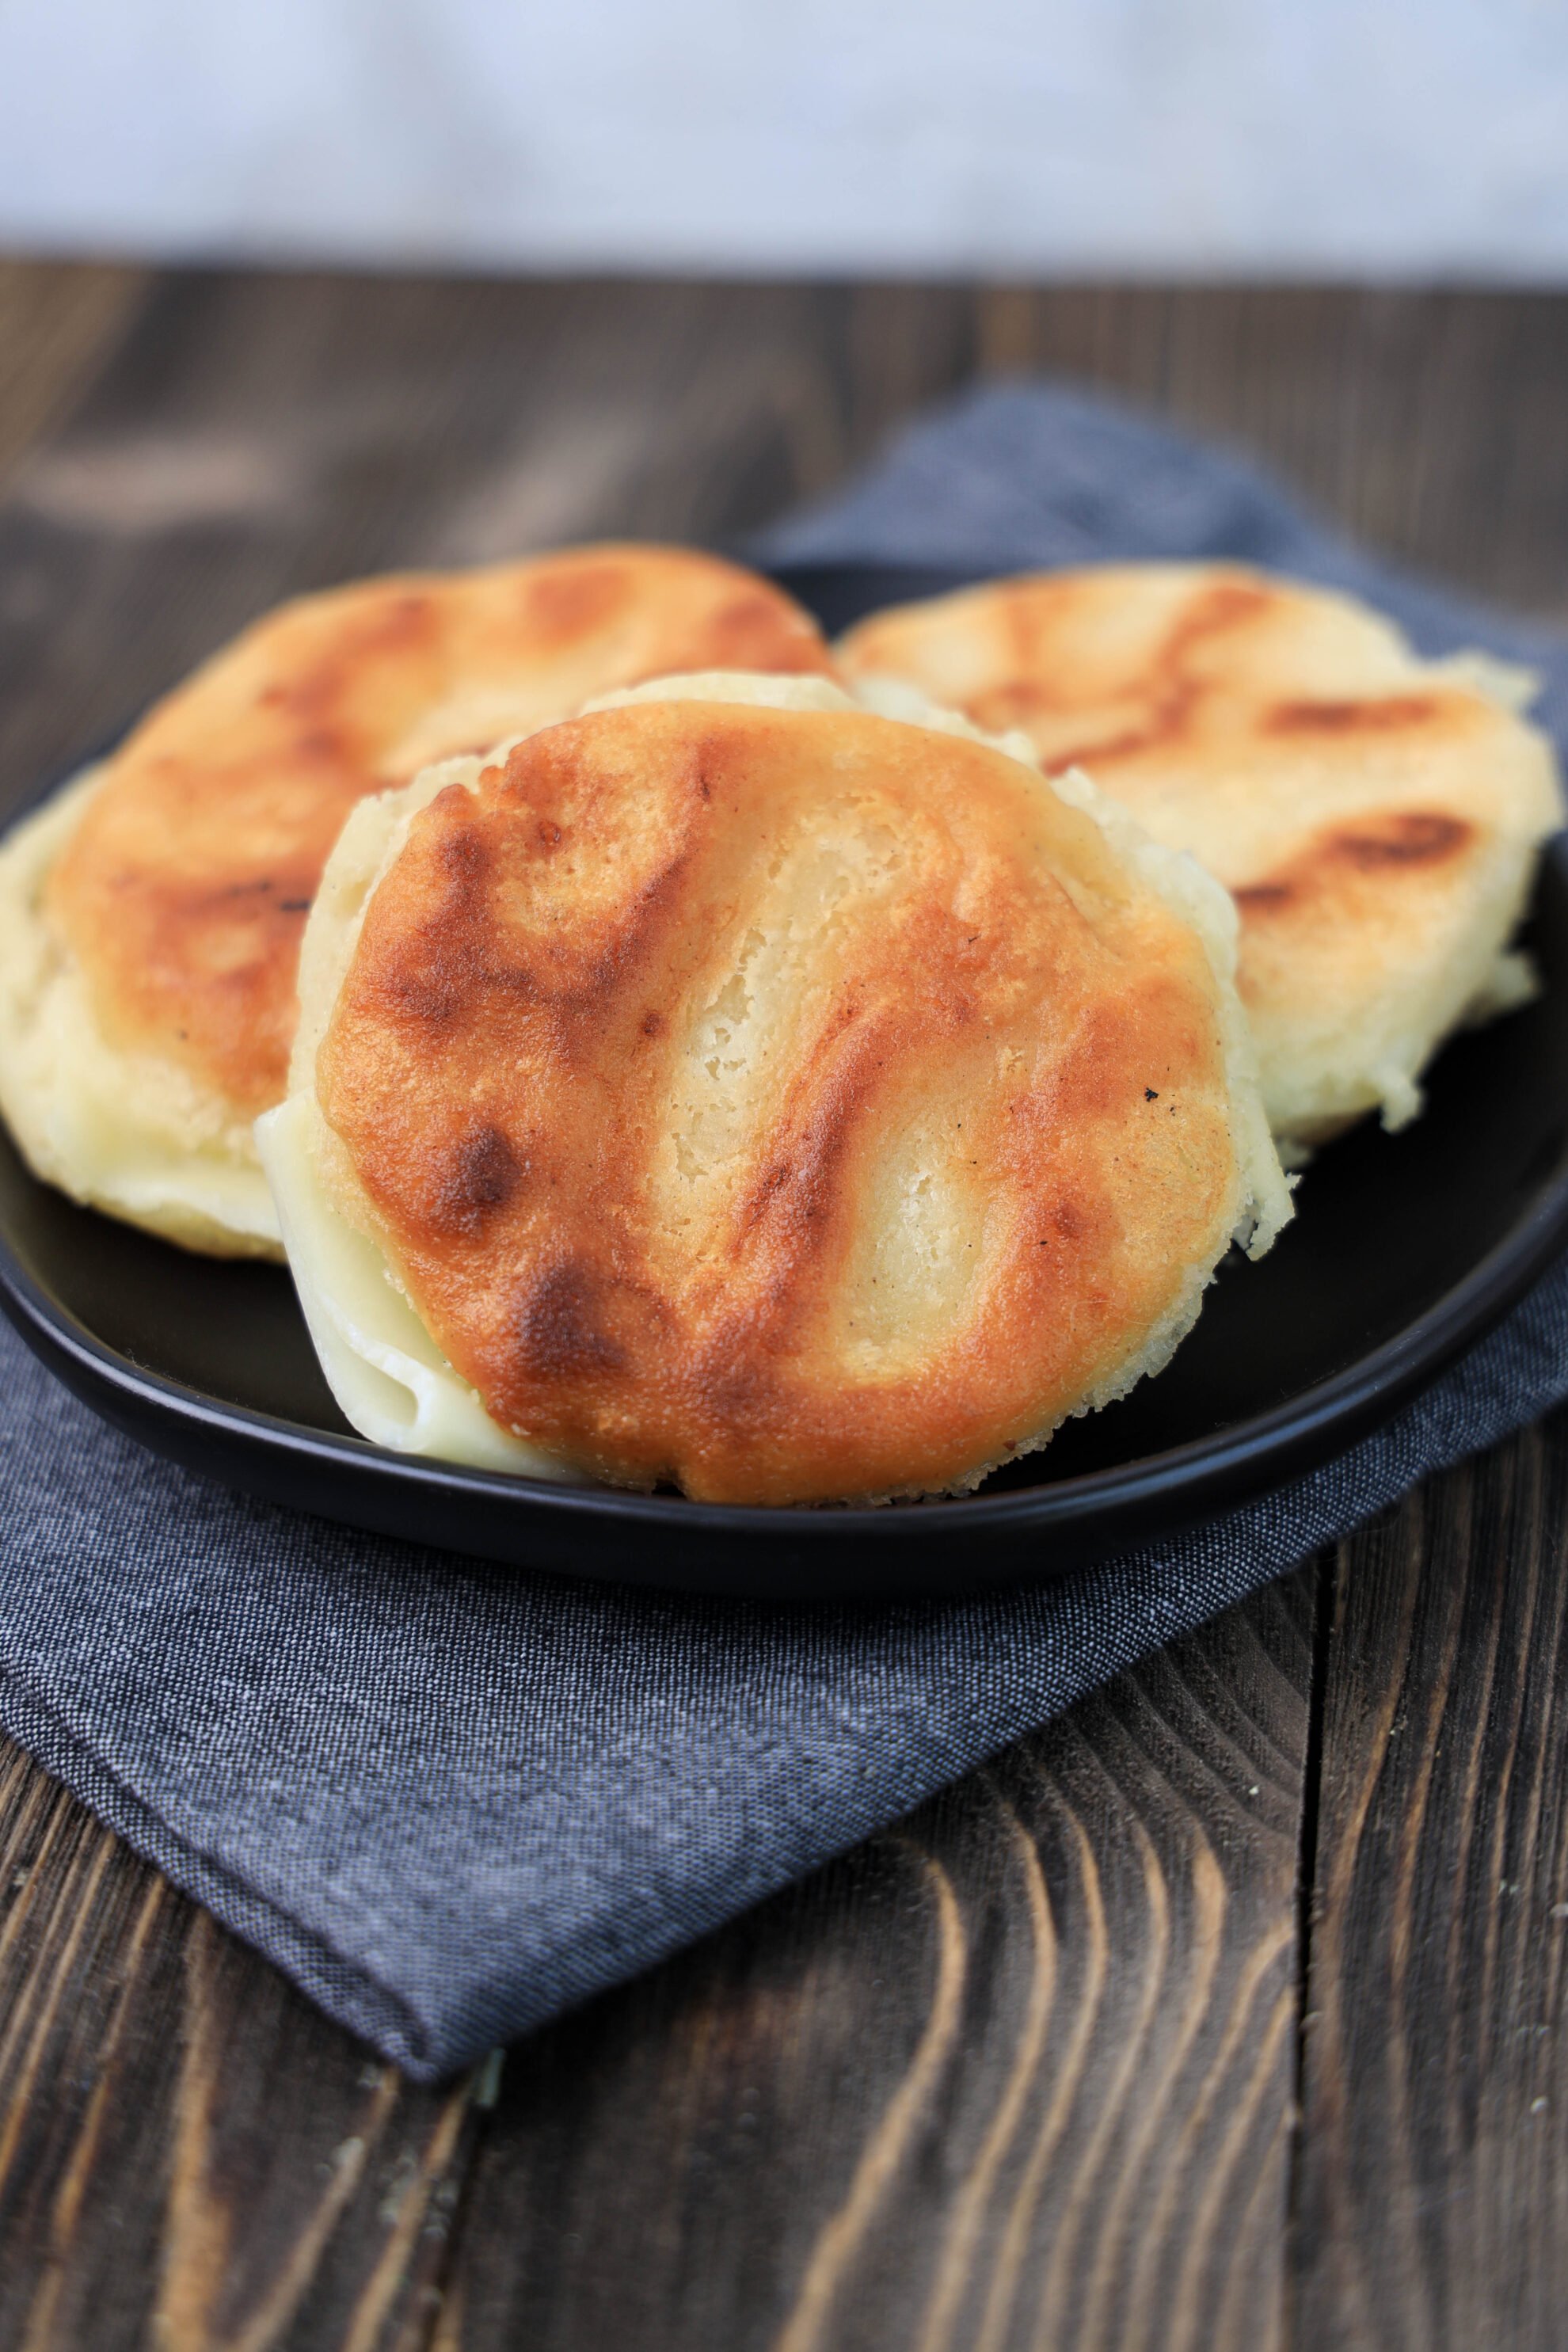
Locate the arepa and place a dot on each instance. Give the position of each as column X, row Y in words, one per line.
column 733, row 1088
column 1377, row 817
column 150, row 916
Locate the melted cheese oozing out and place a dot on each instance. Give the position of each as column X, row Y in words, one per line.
column 392, row 1380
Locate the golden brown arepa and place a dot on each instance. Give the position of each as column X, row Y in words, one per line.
column 1377, row 817
column 761, row 1096
column 151, row 917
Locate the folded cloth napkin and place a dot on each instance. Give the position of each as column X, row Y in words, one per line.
column 451, row 1799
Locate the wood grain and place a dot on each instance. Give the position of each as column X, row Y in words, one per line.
column 1024, row 2072
column 1434, row 2176
column 189, row 2152
column 1019, row 2076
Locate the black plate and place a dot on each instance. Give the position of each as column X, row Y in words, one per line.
column 1407, row 1249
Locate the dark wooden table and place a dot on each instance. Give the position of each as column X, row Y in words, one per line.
column 1228, row 2011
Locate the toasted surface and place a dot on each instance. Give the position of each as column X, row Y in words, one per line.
column 185, row 890
column 149, row 998
column 786, row 1102
column 1376, row 817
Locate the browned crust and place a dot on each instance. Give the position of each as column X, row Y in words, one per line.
column 1352, row 901
column 1355, row 828
column 184, row 890
column 1038, row 692
column 515, row 1040
column 1333, row 864
column 1051, row 660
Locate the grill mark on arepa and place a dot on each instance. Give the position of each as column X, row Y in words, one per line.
column 434, row 976
column 1406, row 841
column 482, row 1175
column 558, row 1334
column 575, row 600
column 751, row 633
column 1165, row 683
column 1414, row 837
column 450, row 959
column 1371, row 715
column 797, row 1209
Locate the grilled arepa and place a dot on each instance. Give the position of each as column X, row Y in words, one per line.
column 151, row 916
column 734, row 1088
column 1377, row 817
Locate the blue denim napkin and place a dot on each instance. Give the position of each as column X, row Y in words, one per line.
column 451, row 1800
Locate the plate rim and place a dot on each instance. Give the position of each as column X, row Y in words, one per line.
column 1365, row 1392
column 1277, row 1444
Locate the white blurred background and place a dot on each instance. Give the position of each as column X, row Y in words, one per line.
column 1359, row 138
